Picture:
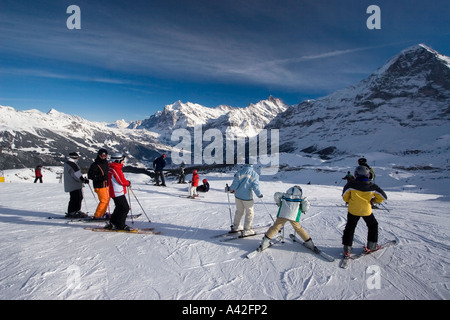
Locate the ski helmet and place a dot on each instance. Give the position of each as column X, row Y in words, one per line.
column 362, row 161
column 362, row 171
column 295, row 191
column 117, row 157
column 74, row 155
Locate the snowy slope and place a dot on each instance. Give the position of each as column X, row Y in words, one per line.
column 52, row 259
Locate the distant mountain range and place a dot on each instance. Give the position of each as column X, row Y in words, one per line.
column 403, row 108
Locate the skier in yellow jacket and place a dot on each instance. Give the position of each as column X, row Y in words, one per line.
column 358, row 194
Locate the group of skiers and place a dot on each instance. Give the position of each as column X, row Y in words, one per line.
column 359, row 193
column 109, row 182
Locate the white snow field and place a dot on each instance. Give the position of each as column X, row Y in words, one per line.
column 52, row 259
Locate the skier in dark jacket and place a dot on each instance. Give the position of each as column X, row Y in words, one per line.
column 98, row 173
column 363, row 162
column 204, row 187
column 159, row 165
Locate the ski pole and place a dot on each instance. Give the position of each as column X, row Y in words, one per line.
column 139, row 204
column 92, row 193
column 229, row 204
column 131, row 210
column 268, row 212
column 385, row 207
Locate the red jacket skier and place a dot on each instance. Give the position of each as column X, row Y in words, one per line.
column 117, row 190
column 194, row 183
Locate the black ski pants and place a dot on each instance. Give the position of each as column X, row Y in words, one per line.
column 160, row 174
column 76, row 197
column 352, row 221
column 120, row 212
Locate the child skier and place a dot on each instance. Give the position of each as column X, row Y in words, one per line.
column 117, row 190
column 194, row 184
column 358, row 194
column 291, row 205
column 204, row 187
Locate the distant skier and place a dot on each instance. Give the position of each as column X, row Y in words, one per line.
column 117, row 190
column 363, row 162
column 73, row 183
column 291, row 205
column 159, row 165
column 348, row 177
column 98, row 173
column 245, row 182
column 194, row 184
column 358, row 194
column 38, row 174
column 182, row 176
column 204, row 187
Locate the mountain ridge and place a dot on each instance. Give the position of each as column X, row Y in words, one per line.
column 401, row 108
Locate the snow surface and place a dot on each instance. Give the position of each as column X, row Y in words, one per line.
column 52, row 259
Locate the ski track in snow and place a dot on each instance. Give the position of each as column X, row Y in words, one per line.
column 51, row 259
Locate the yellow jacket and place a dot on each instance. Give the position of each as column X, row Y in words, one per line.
column 359, row 193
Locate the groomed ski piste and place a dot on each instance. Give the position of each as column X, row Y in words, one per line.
column 51, row 259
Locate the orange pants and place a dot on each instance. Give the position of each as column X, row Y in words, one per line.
column 103, row 198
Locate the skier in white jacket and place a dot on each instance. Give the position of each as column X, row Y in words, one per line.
column 291, row 205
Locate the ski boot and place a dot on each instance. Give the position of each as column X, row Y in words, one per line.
column 347, row 251
column 309, row 244
column 371, row 247
column 264, row 244
column 248, row 232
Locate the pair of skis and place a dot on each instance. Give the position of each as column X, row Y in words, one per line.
column 135, row 231
column 279, row 238
column 92, row 219
column 224, row 237
column 346, row 259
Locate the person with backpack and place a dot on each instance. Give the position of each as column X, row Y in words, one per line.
column 98, row 173
column 291, row 205
column 117, row 190
column 358, row 194
column 245, row 182
column 73, row 183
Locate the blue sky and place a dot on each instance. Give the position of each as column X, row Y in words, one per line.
column 131, row 58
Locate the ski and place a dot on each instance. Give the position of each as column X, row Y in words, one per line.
column 254, row 253
column 135, row 231
column 92, row 219
column 240, row 235
column 345, row 260
column 315, row 249
column 234, row 233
